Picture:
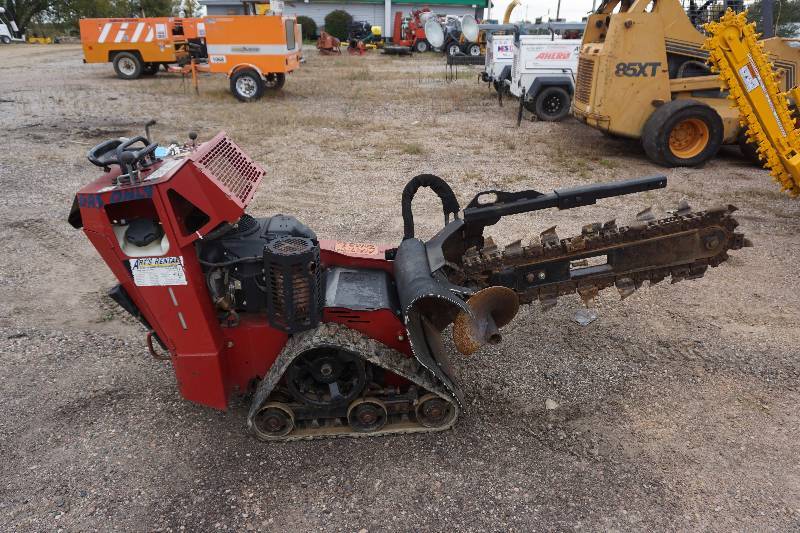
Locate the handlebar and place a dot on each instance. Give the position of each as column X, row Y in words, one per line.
column 111, row 152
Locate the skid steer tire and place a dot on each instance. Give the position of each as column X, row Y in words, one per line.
column 682, row 133
column 247, row 85
column 422, row 46
column 748, row 149
column 128, row 66
column 551, row 104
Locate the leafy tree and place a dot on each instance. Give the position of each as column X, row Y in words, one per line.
column 308, row 26
column 190, row 8
column 152, row 8
column 786, row 14
column 337, row 23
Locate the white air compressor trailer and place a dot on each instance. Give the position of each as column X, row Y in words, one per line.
column 543, row 74
column 8, row 29
column 499, row 58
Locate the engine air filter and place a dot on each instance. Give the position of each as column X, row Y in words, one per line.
column 294, row 280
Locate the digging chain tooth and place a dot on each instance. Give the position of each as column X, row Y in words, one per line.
column 549, row 237
column 590, row 229
column 514, row 249
column 575, row 244
column 535, row 246
column 588, row 293
column 645, row 215
column 626, row 287
column 548, row 300
column 490, row 251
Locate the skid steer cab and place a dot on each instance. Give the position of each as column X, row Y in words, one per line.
column 335, row 338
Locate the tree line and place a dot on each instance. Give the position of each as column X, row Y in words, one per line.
column 65, row 14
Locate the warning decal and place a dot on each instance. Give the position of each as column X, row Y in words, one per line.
column 748, row 77
column 158, row 271
column 356, row 248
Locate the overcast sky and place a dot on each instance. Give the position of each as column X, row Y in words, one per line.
column 570, row 9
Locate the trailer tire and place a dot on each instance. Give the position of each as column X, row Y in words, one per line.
column 551, row 104
column 422, row 46
column 682, row 133
column 453, row 49
column 5, row 39
column 474, row 50
column 274, row 81
column 150, row 69
column 247, row 85
column 128, row 65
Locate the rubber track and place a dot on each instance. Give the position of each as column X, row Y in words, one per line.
column 338, row 336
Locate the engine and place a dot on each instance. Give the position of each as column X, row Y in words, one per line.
column 266, row 264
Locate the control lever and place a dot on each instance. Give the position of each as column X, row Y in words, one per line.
column 127, row 164
column 193, row 137
column 147, row 127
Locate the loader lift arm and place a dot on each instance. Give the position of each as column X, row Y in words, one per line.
column 746, row 71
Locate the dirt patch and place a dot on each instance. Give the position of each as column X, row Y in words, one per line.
column 677, row 408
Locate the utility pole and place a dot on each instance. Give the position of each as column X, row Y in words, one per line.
column 558, row 10
column 766, row 15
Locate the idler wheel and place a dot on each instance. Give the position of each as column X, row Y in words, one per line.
column 434, row 412
column 366, row 415
column 273, row 421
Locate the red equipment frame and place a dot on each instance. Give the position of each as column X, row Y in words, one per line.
column 212, row 360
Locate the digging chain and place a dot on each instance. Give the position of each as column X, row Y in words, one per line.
column 753, row 87
column 681, row 246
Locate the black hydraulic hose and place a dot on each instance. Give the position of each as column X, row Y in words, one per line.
column 440, row 187
column 232, row 261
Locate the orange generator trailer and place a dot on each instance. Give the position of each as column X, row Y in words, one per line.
column 254, row 51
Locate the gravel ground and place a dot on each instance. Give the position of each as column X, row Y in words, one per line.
column 678, row 407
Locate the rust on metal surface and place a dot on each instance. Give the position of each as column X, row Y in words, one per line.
column 681, row 246
column 492, row 308
column 328, row 45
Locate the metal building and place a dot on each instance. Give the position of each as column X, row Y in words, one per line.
column 377, row 12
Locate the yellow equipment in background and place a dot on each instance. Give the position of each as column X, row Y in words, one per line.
column 748, row 74
column 642, row 74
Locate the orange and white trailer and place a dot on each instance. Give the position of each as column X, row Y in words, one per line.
column 254, row 51
column 139, row 46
